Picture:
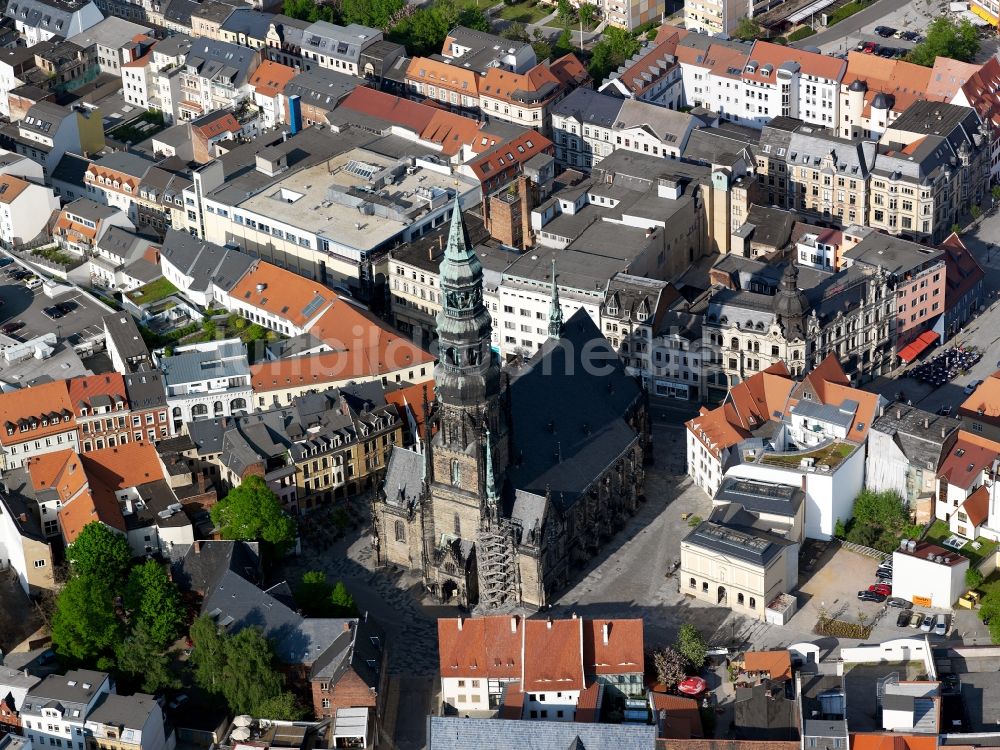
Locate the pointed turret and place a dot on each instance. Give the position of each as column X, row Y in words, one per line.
column 555, row 310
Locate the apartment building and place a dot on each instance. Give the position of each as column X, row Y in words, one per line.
column 14, row 65
column 55, row 710
column 631, row 318
column 26, row 211
column 933, row 163
column 919, row 276
column 48, row 131
column 215, row 75
column 811, row 171
column 651, row 75
column 339, row 48
column 36, row 420
column 284, row 40
column 114, row 180
column 526, row 99
column 713, row 17
column 81, row 225
column 114, row 42
column 449, row 86
column 981, row 91
column 126, row 722
column 587, row 126
column 102, row 410
column 41, row 20
column 206, row 380
column 25, row 550
column 631, row 14
column 479, row 51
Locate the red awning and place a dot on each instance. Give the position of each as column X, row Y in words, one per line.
column 692, row 686
column 916, row 347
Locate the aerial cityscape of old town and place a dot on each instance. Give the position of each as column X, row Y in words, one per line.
column 500, row 374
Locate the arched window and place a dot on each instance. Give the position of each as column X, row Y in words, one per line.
column 177, row 411
column 692, row 583
column 400, row 531
column 456, row 473
column 734, row 343
column 199, row 410
column 753, row 603
column 739, row 599
column 238, row 404
column 218, row 407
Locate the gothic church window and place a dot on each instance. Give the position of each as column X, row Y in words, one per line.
column 458, row 525
column 456, row 475
column 400, row 532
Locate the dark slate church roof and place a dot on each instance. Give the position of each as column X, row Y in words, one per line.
column 569, row 406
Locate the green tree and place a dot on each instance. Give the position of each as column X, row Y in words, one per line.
column 995, row 192
column 472, row 17
column 145, row 665
column 747, row 29
column 563, row 44
column 587, row 13
column 543, row 50
column 976, row 212
column 250, row 675
column 946, row 38
column 515, row 31
column 376, row 13
column 209, row 654
column 297, row 9
column 883, row 509
column 691, row 644
column 565, row 12
column 670, row 665
column 154, row 604
column 615, row 47
column 313, row 594
column 84, row 626
column 99, row 551
column 840, row 530
column 343, row 602
column 252, row 512
column 973, row 578
column 283, row 706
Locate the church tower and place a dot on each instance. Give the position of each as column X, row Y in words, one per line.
column 472, row 428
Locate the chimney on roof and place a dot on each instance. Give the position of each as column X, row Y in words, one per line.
column 459, row 624
column 606, row 632
column 347, row 626
column 927, row 422
column 899, row 413
column 548, row 624
column 513, row 624
column 23, row 517
column 197, row 547
column 943, row 431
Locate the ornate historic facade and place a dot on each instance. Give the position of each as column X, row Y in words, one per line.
column 527, row 471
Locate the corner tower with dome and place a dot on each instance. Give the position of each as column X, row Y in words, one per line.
column 527, row 471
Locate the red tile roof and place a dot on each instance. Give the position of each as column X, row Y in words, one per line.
column 589, row 703
column 967, row 458
column 983, row 404
column 962, row 270
column 982, row 92
column 623, row 651
column 284, row 294
column 490, row 646
column 776, row 55
column 893, row 742
column 977, row 506
column 777, row 664
column 556, row 655
column 223, row 124
column 83, row 389
column 677, row 718
column 401, row 111
column 38, row 404
column 270, row 78
column 509, row 158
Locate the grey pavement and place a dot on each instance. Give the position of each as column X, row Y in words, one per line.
column 908, row 15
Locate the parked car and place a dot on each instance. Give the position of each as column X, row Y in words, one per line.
column 903, row 620
column 870, row 48
column 895, row 601
column 971, row 387
column 916, row 619
column 67, row 307
column 861, row 46
column 970, row 599
column 9, row 328
column 883, row 576
column 881, row 588
column 885, row 31
column 20, row 274
column 53, row 312
column 33, row 283
column 910, row 36
column 927, row 624
column 871, row 596
column 941, row 625
column 4, row 262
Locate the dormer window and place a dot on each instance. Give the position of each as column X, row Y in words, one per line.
column 612, row 309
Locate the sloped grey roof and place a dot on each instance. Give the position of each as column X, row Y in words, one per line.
column 205, row 262
column 127, row 711
column 227, row 360
column 591, row 107
column 403, row 477
column 204, row 564
column 457, row 733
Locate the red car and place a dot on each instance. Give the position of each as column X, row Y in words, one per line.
column 870, row 48
column 692, row 686
column 881, row 588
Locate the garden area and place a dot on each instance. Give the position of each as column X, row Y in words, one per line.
column 53, row 254
column 152, row 292
column 829, row 455
column 880, row 520
column 976, row 551
column 146, row 125
column 525, row 11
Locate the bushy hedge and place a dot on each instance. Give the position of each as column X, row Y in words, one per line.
column 800, row 33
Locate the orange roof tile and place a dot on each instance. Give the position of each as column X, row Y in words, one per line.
column 977, row 506
column 893, row 742
column 490, row 646
column 982, row 92
column 948, row 76
column 717, row 428
column 285, row 295
column 85, row 508
column 11, row 187
column 39, row 403
column 224, row 124
column 270, row 78
column 777, row 664
column 837, row 394
column 129, row 465
column 904, row 81
column 775, row 55
column 623, row 651
column 677, row 718
column 61, row 471
column 556, row 651
column 569, row 70
column 502, row 84
column 827, row 371
column 401, row 111
column 668, row 33
column 439, row 73
column 588, row 704
column 84, row 388
column 511, row 155
column 411, row 399
column 967, row 458
column 984, row 402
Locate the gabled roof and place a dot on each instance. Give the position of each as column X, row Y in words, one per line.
column 982, row 91
column 623, row 651
column 893, row 741
column 962, row 269
column 88, row 391
column 983, row 404
column 511, row 155
column 977, row 506
column 777, row 664
column 777, row 56
column 215, row 124
column 487, row 646
column 967, row 459
column 270, row 78
column 283, row 294
column 948, row 76
column 38, row 404
column 439, row 73
column 556, row 648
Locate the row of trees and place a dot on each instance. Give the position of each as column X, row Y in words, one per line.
column 421, row 30
column 688, row 654
column 112, row 616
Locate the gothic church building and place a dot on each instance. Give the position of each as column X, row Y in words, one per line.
column 526, row 471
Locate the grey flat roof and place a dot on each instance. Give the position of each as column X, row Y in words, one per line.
column 227, row 360
column 762, row 497
column 456, row 733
